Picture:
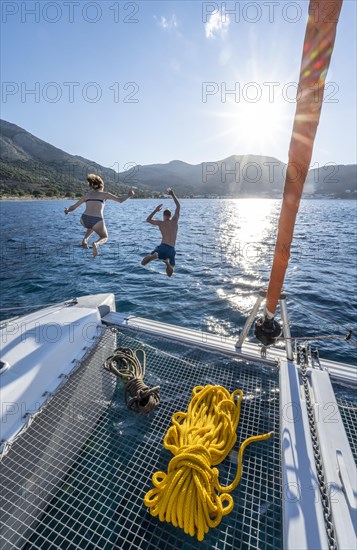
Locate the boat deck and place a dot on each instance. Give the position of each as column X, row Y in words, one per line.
column 75, row 474
column 342, row 372
column 100, row 502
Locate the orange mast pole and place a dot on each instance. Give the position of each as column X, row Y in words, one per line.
column 318, row 46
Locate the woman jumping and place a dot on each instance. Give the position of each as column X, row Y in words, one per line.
column 92, row 218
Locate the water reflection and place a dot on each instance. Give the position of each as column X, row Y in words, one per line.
column 245, row 239
column 247, row 229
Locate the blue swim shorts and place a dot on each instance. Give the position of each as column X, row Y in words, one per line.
column 166, row 252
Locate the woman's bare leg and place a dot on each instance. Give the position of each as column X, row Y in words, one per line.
column 102, row 232
column 87, row 234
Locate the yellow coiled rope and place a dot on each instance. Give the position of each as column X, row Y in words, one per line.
column 189, row 495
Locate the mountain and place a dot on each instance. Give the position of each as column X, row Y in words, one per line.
column 334, row 180
column 248, row 175
column 29, row 165
column 244, row 176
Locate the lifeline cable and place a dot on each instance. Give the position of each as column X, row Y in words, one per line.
column 125, row 364
column 190, row 495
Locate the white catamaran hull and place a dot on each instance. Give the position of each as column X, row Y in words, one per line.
column 48, row 358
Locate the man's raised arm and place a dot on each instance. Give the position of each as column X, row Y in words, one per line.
column 170, row 191
column 149, row 219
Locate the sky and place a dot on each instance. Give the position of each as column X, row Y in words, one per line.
column 148, row 82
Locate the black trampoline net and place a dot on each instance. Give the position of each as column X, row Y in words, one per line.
column 99, row 501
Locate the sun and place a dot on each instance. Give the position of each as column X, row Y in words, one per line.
column 260, row 128
column 260, row 124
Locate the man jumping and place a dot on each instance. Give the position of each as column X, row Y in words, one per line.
column 168, row 227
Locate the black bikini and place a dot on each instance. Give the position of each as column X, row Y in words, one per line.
column 89, row 221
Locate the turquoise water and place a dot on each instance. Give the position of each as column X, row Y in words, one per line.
column 224, row 254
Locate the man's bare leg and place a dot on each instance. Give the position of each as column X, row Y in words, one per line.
column 169, row 268
column 149, row 258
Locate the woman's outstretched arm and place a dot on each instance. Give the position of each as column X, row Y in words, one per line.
column 74, row 206
column 110, row 196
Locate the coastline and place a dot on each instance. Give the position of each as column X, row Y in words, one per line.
column 29, row 198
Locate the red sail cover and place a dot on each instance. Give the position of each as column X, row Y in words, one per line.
column 318, row 45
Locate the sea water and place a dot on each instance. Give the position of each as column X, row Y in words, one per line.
column 224, row 256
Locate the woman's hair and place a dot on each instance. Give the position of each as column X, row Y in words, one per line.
column 95, row 182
